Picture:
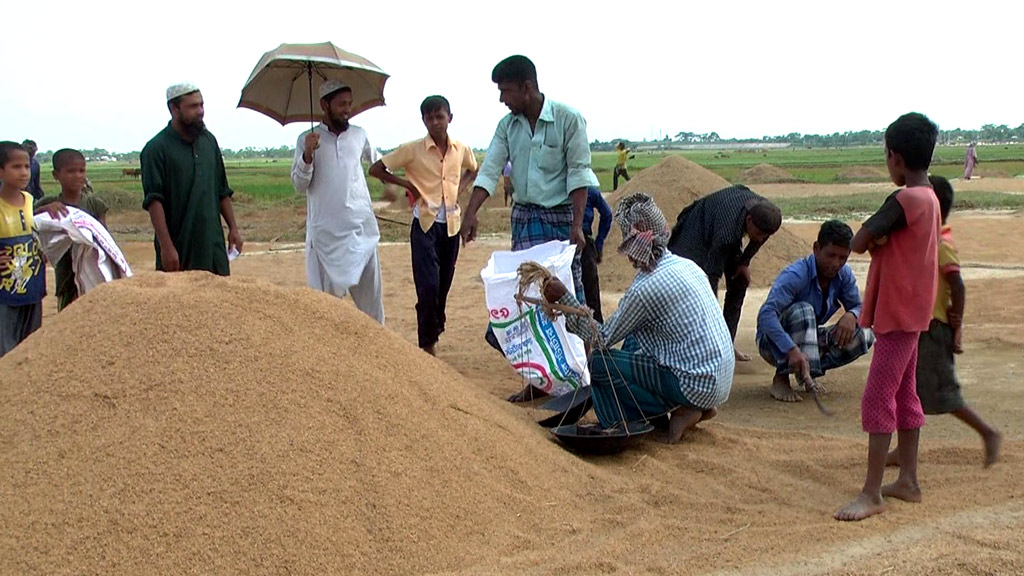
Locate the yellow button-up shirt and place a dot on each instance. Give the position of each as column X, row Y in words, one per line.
column 436, row 177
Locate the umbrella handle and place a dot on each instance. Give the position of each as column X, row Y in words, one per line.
column 309, row 74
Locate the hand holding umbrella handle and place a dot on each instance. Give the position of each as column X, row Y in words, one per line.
column 309, row 146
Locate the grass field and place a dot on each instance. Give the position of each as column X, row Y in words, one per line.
column 266, row 183
column 820, row 165
column 823, row 207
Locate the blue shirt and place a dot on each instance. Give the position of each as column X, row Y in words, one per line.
column 547, row 163
column 34, row 187
column 799, row 283
column 596, row 201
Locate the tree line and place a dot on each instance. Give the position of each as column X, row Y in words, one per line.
column 987, row 133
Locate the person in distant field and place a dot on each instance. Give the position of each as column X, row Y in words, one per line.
column 902, row 237
column 546, row 141
column 791, row 330
column 185, row 190
column 710, row 231
column 437, row 169
column 593, row 253
column 506, row 180
column 34, row 186
column 69, row 172
column 341, row 229
column 970, row 159
column 622, row 156
column 676, row 357
column 22, row 273
column 937, row 384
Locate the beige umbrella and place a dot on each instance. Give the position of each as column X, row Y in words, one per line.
column 282, row 85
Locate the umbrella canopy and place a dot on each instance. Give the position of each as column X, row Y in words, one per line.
column 286, row 79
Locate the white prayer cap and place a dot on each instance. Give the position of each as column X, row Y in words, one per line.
column 180, row 89
column 330, row 87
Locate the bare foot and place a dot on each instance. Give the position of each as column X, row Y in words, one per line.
column 993, row 442
column 708, row 414
column 861, row 507
column 902, row 490
column 682, row 419
column 527, row 394
column 892, row 458
column 782, row 391
column 740, row 356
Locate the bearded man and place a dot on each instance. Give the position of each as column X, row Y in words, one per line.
column 341, row 229
column 186, row 190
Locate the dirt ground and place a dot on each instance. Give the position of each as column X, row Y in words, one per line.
column 1004, row 185
column 780, row 469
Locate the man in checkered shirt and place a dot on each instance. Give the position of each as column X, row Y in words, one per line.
column 677, row 355
column 710, row 232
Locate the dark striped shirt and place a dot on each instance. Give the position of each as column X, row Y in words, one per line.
column 710, row 231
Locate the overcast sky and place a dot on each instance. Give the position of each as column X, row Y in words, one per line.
column 93, row 74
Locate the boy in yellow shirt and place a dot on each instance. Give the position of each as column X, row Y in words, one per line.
column 22, row 274
column 622, row 157
column 437, row 168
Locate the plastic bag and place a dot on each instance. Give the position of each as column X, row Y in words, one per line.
column 538, row 348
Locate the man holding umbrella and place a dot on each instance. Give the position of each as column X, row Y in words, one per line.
column 341, row 230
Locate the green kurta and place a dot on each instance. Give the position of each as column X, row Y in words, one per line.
column 188, row 178
column 67, row 290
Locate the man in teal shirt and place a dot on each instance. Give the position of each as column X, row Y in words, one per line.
column 550, row 153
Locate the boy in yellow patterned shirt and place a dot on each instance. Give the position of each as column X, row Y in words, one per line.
column 22, row 274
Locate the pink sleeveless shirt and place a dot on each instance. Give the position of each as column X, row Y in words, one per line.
column 903, row 276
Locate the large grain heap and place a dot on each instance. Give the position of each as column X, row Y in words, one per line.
column 674, row 183
column 173, row 424
column 766, row 174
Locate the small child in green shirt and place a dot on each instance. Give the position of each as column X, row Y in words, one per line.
column 69, row 171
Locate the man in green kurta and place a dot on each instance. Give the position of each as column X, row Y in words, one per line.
column 186, row 190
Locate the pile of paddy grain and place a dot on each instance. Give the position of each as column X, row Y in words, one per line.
column 862, row 174
column 767, row 174
column 172, row 424
column 674, row 183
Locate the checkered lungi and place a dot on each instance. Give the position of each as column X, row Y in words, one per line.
column 817, row 342
column 533, row 225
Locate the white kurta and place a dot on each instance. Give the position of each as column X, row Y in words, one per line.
column 341, row 230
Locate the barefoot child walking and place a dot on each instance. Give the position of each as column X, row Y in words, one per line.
column 902, row 280
column 937, row 384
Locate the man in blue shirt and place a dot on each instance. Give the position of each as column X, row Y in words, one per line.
column 593, row 252
column 790, row 326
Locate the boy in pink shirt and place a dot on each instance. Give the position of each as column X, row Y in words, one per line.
column 937, row 384
column 902, row 281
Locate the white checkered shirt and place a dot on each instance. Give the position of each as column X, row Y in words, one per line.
column 675, row 317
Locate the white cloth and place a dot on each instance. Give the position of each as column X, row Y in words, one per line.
column 341, row 230
column 366, row 294
column 442, row 213
column 95, row 257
